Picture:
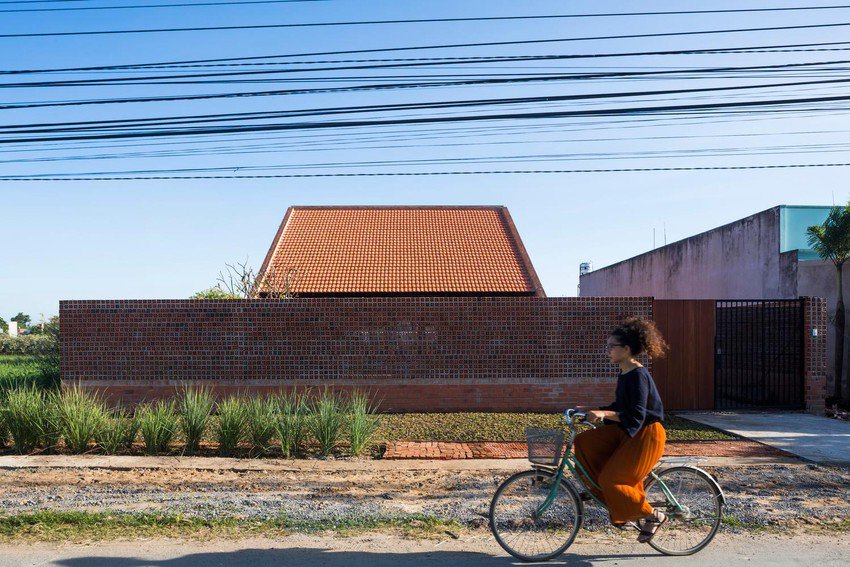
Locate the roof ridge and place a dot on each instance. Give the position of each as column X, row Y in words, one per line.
column 412, row 207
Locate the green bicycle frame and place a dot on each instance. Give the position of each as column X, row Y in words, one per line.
column 569, row 461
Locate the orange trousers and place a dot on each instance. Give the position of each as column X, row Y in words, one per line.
column 618, row 464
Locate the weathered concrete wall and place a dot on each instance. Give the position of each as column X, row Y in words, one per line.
column 819, row 279
column 740, row 260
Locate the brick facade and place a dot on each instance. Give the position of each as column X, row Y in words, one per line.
column 412, row 353
column 814, row 317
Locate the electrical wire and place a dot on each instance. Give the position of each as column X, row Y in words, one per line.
column 561, row 40
column 432, row 173
column 138, row 6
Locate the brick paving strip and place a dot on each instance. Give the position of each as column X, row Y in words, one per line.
column 439, row 450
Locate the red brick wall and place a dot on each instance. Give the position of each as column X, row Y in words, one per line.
column 814, row 316
column 415, row 354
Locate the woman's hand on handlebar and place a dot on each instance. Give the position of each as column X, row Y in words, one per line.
column 595, row 415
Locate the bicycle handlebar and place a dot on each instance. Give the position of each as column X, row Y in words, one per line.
column 573, row 416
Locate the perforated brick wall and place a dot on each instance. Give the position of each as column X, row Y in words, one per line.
column 414, row 354
column 815, row 319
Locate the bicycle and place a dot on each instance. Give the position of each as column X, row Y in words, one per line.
column 535, row 515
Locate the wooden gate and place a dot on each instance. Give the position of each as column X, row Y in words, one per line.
column 685, row 377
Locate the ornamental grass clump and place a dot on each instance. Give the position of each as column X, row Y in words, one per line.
column 292, row 416
column 261, row 423
column 158, row 422
column 30, row 416
column 232, row 415
column 81, row 416
column 118, row 432
column 4, row 431
column 363, row 422
column 195, row 406
column 326, row 421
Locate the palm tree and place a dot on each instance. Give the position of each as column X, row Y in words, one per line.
column 831, row 240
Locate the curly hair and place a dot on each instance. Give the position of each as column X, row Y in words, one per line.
column 641, row 336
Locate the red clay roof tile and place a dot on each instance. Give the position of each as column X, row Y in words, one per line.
column 402, row 250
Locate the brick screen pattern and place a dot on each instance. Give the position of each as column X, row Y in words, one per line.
column 815, row 364
column 412, row 353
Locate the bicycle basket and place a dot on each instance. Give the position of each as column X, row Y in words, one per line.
column 544, row 445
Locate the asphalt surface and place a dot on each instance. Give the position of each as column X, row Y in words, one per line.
column 385, row 551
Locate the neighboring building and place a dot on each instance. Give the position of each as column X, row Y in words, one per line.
column 402, row 251
column 763, row 256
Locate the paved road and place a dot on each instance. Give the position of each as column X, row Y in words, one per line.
column 819, row 439
column 387, row 551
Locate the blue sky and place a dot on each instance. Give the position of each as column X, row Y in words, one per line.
column 168, row 239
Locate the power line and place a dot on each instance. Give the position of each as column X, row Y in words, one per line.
column 605, row 15
column 432, row 173
column 428, row 120
column 377, row 22
column 171, row 79
column 201, row 4
column 745, row 49
column 265, row 115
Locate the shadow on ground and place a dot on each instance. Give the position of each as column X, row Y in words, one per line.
column 329, row 558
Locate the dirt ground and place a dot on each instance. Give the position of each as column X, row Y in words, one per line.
column 758, row 496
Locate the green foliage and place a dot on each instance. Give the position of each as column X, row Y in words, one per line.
column 262, row 423
column 118, row 432
column 81, row 416
column 22, row 320
column 29, row 345
column 363, row 422
column 30, row 415
column 327, row 421
column 292, row 418
column 4, row 326
column 196, row 405
column 215, row 293
column 232, row 414
column 158, row 423
column 831, row 240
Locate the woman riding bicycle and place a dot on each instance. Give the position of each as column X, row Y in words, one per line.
column 621, row 453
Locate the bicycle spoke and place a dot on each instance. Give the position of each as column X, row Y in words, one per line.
column 523, row 535
column 690, row 528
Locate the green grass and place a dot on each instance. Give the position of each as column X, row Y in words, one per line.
column 469, row 427
column 23, row 370
column 56, row 526
column 72, row 525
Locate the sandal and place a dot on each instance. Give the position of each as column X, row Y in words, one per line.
column 651, row 525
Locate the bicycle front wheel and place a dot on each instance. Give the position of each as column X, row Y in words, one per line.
column 519, row 527
column 695, row 521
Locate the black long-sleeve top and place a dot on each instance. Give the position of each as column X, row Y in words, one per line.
column 638, row 402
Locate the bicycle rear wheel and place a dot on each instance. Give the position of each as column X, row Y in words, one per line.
column 517, row 527
column 692, row 527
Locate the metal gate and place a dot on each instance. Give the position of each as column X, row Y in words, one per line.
column 758, row 349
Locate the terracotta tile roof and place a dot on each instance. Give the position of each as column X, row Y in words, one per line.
column 402, row 250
